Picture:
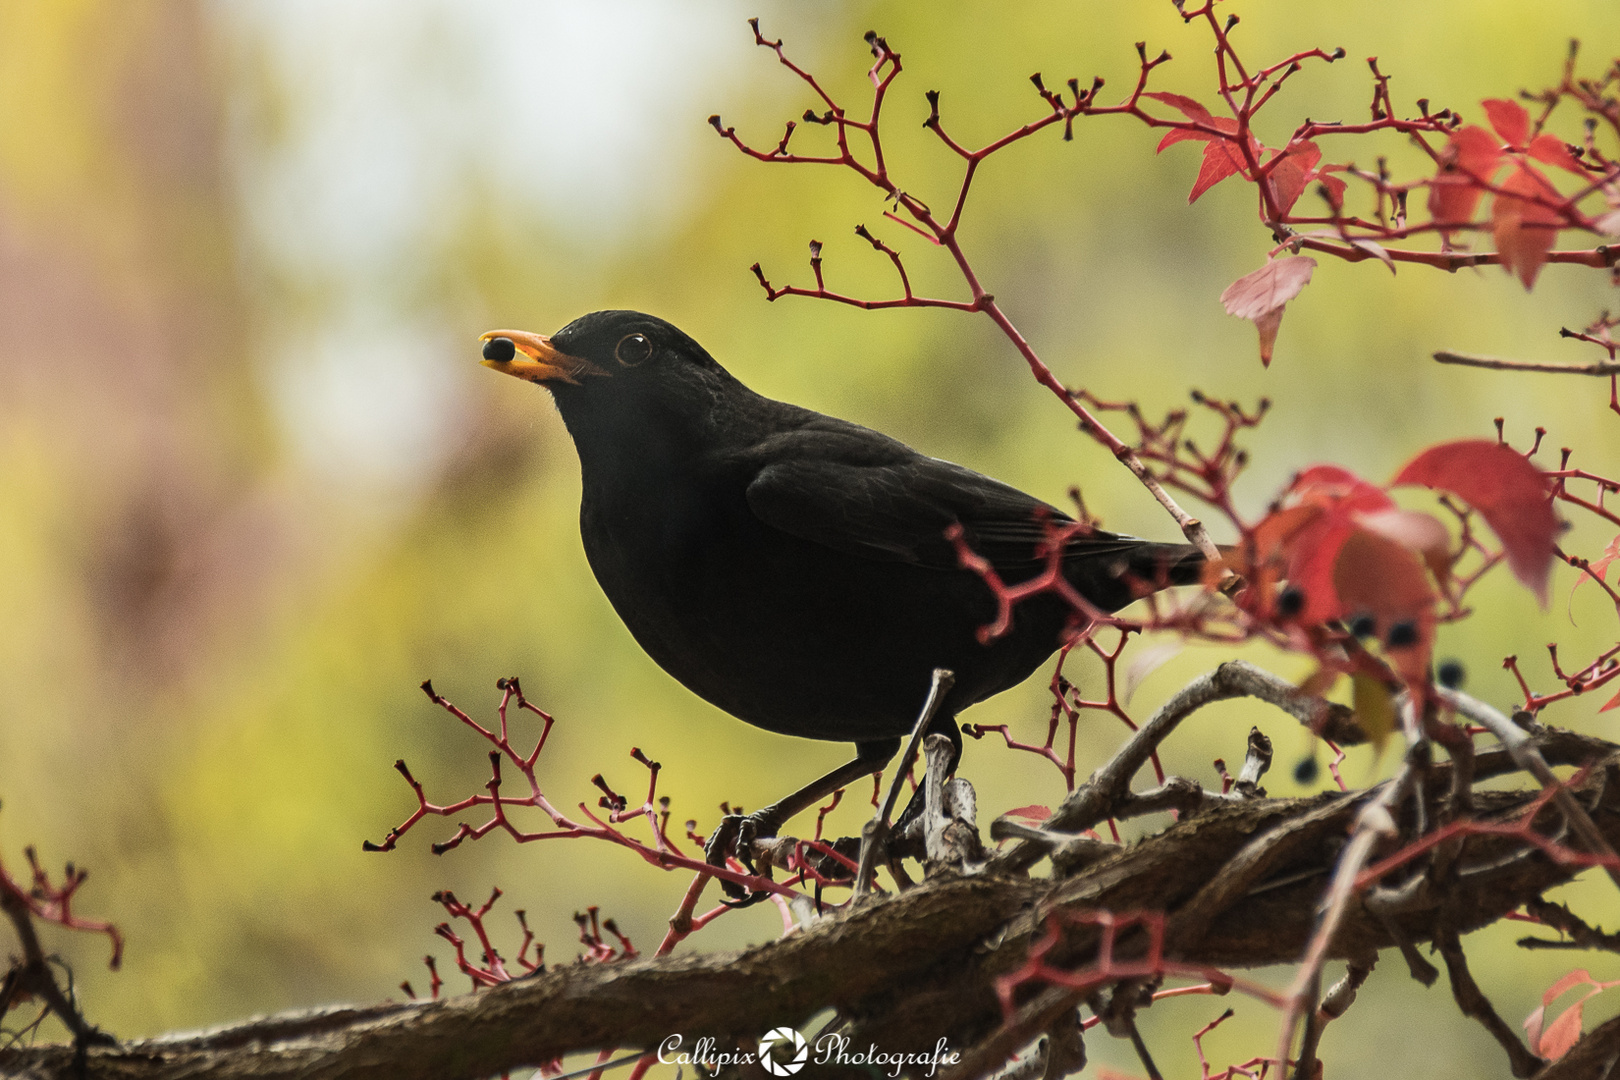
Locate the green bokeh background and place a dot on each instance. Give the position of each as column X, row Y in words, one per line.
column 254, row 487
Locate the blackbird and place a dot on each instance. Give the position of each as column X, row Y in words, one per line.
column 792, row 568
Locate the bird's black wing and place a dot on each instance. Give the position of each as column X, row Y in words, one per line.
column 862, row 493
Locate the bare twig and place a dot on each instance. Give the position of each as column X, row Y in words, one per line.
column 1473, row 1003
column 1501, row 364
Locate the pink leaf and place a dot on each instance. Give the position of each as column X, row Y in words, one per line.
column 1260, row 296
column 1268, row 288
column 1509, row 493
column 1375, row 249
column 1565, row 985
column 1533, row 1024
column 1268, row 325
column 1509, row 119
column 1032, row 813
column 1562, row 1033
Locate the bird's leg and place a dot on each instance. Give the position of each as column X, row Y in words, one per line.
column 737, row 832
column 876, row 830
column 948, row 727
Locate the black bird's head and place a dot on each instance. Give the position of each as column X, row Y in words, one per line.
column 620, row 378
column 632, row 350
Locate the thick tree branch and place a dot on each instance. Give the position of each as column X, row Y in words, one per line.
column 1239, row 885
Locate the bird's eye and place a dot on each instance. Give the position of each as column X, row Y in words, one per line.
column 499, row 349
column 633, row 349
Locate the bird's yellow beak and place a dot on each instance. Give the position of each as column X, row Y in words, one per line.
column 533, row 357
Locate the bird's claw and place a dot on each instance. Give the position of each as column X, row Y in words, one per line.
column 735, row 836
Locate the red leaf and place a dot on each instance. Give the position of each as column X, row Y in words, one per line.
column 1293, row 172
column 1310, row 567
column 1175, row 135
column 1374, row 575
column 1220, row 161
column 1189, row 108
column 1334, row 486
column 1313, row 547
column 1509, row 119
column 1555, row 151
column 1469, row 161
column 1195, row 112
column 1453, row 197
column 1525, row 230
column 1336, row 189
column 1260, row 296
column 1416, row 530
column 1509, row 493
column 1475, row 152
column 1599, row 567
column 1033, row 813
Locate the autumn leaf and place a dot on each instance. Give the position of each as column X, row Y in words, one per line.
column 1261, row 296
column 1292, row 172
column 1334, row 485
column 1220, row 161
column 1268, row 325
column 1413, row 529
column 1470, row 159
column 1509, row 119
column 1033, row 814
column 1555, row 1040
column 1222, row 158
column 1335, row 186
column 1313, row 545
column 1265, row 554
column 1555, row 151
column 1509, row 493
column 1383, row 580
column 1472, row 150
column 1598, row 567
column 1376, row 250
column 1524, row 229
column 1193, row 111
column 1374, row 707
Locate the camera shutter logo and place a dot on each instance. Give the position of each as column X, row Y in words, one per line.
column 781, row 1040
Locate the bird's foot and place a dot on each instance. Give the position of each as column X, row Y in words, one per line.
column 735, row 837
